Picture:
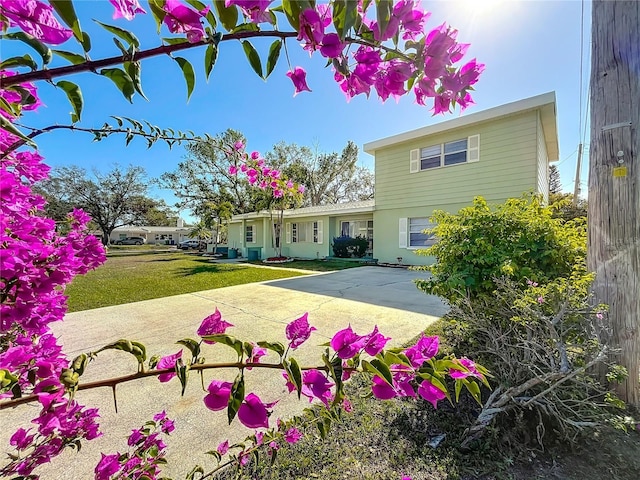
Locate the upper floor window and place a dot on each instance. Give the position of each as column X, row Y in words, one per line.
column 465, row 150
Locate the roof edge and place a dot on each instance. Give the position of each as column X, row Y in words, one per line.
column 531, row 103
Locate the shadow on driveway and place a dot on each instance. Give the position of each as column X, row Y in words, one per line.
column 385, row 287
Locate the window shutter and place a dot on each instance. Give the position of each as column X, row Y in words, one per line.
column 414, row 161
column 319, row 231
column 473, row 149
column 402, row 233
column 288, row 232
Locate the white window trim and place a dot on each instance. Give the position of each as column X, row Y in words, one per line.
column 408, row 236
column 308, row 226
column 473, row 155
column 253, row 234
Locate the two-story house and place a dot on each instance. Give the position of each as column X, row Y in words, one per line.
column 498, row 153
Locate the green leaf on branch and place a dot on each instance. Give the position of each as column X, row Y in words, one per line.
column 274, row 55
column 383, row 14
column 192, row 345
column 75, row 98
column 7, row 380
column 80, row 363
column 74, row 58
column 134, row 70
column 210, row 57
column 295, row 374
column 188, row 73
column 122, row 80
column 246, row 27
column 157, row 10
column 458, row 389
column 67, row 12
column 293, row 8
column 391, row 358
column 236, row 397
column 197, row 469
column 23, row 61
column 253, row 57
column 182, row 371
column 125, row 35
column 121, row 46
column 227, row 15
column 175, row 41
column 345, row 14
column 10, row 108
column 473, row 388
column 9, row 127
column 33, row 42
column 225, row 339
column 379, row 368
column 273, row 346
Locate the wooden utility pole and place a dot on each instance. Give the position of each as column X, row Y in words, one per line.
column 614, row 179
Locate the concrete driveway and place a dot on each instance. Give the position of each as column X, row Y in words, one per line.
column 362, row 297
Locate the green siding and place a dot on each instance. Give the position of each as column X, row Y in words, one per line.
column 511, row 163
column 543, row 163
column 308, row 249
column 507, row 166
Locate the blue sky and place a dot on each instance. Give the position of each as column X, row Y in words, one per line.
column 529, row 48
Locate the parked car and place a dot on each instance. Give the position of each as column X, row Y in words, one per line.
column 131, row 241
column 192, row 244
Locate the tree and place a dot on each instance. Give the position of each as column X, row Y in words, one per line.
column 214, row 217
column 114, row 199
column 153, row 213
column 329, row 178
column 565, row 208
column 614, row 179
column 555, row 186
column 203, row 176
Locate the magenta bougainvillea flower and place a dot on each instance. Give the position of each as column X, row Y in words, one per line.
column 256, row 10
column 298, row 331
column 182, row 19
column 381, row 389
column 471, row 370
column 347, row 344
column 107, row 466
column 213, row 325
column 317, row 385
column 299, row 78
column 424, row 349
column 375, row 342
column 223, row 447
column 126, row 8
column 430, row 393
column 168, row 362
column 293, row 435
column 218, row 396
column 253, row 413
column 37, row 19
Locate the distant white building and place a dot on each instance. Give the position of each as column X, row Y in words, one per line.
column 153, row 235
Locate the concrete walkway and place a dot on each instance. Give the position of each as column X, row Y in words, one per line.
column 362, row 297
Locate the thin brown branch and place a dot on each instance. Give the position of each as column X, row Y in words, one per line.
column 112, row 382
column 93, row 65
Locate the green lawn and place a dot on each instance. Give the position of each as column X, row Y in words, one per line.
column 143, row 276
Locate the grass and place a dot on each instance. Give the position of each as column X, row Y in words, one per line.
column 315, row 265
column 145, row 275
column 384, row 440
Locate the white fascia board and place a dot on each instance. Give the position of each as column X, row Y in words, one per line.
column 328, row 213
column 547, row 100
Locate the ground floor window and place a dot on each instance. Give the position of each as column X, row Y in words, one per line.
column 417, row 235
column 248, row 234
column 354, row 228
column 305, row 232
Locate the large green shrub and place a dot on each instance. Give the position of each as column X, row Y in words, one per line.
column 520, row 240
column 347, row 247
